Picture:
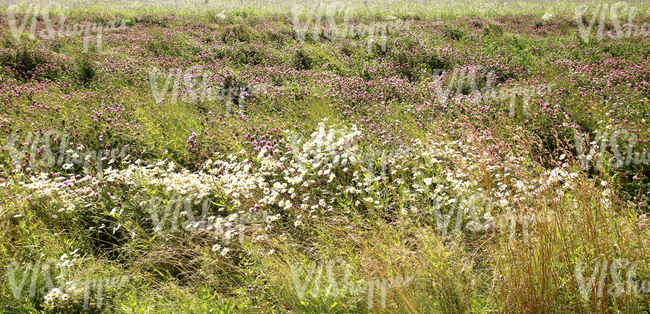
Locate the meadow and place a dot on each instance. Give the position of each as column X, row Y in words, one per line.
column 223, row 156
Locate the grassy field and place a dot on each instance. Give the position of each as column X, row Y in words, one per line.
column 303, row 157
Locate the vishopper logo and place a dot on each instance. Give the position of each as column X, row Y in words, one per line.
column 198, row 87
column 332, row 31
column 64, row 29
column 176, row 202
column 64, row 290
column 461, row 75
column 618, row 287
column 598, row 150
column 67, row 157
column 234, row 225
column 478, row 203
column 348, row 286
column 620, row 31
column 324, row 146
column 226, row 228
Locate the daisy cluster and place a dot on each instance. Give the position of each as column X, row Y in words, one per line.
column 162, row 174
column 311, row 177
column 65, row 190
column 54, row 294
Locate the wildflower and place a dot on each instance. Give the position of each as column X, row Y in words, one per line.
column 297, row 223
column 216, row 247
column 225, row 251
column 65, row 297
column 404, row 211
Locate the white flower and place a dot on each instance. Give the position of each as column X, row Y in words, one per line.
column 225, row 251
column 547, row 16
column 297, row 223
column 56, row 292
column 216, row 247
